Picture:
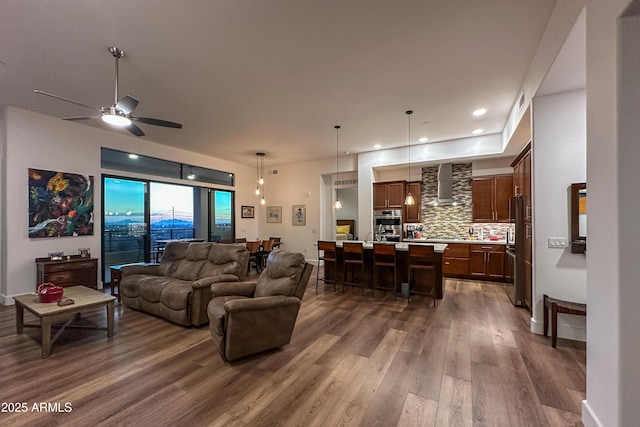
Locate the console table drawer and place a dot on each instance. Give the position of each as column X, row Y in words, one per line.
column 68, row 272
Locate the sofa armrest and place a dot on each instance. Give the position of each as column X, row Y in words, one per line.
column 205, row 282
column 246, row 289
column 149, row 269
column 260, row 303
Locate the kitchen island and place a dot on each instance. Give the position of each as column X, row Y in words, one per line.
column 402, row 253
column 474, row 259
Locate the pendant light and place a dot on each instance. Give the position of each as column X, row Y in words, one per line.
column 338, row 204
column 260, row 157
column 257, row 173
column 409, row 200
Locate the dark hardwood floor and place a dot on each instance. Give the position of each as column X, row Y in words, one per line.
column 353, row 360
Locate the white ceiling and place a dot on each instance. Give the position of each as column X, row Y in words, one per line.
column 276, row 76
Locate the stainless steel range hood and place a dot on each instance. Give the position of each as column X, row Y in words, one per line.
column 445, row 187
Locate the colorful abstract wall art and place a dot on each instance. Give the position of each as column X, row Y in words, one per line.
column 60, row 204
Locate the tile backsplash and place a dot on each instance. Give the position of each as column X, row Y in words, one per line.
column 453, row 222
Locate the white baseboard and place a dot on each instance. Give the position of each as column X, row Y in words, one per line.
column 7, row 300
column 564, row 331
column 589, row 419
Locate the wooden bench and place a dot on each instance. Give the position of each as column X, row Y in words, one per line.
column 559, row 306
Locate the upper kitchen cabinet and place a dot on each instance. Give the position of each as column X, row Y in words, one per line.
column 412, row 212
column 490, row 198
column 388, row 195
column 522, row 180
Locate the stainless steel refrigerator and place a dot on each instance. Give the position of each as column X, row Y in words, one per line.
column 515, row 252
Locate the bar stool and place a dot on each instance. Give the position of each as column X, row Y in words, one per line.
column 354, row 258
column 421, row 257
column 327, row 254
column 240, row 240
column 384, row 256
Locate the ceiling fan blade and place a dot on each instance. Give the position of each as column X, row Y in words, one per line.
column 127, row 104
column 61, row 98
column 134, row 130
column 157, row 122
column 73, row 119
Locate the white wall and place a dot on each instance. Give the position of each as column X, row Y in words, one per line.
column 613, row 372
column 559, row 159
column 304, row 183
column 37, row 141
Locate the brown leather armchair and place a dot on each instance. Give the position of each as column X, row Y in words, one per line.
column 250, row 317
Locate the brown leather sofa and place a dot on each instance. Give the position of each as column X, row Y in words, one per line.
column 177, row 289
column 250, row 317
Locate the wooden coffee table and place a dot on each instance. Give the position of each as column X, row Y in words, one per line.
column 84, row 298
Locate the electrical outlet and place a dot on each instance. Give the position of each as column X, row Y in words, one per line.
column 557, row 242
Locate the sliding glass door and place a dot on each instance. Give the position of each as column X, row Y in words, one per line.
column 221, row 224
column 140, row 217
column 125, row 237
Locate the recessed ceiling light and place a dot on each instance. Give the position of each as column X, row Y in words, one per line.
column 423, row 139
column 480, row 112
column 133, row 156
column 477, row 131
column 377, row 146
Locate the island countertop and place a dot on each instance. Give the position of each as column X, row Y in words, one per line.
column 469, row 241
column 400, row 246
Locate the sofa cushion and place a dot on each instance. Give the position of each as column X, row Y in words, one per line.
column 190, row 266
column 282, row 274
column 224, row 259
column 174, row 253
column 150, row 287
column 176, row 294
column 215, row 311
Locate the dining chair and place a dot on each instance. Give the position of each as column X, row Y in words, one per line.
column 255, row 255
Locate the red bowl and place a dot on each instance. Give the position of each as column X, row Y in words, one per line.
column 51, row 295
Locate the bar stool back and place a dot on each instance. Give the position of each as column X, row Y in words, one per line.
column 421, row 257
column 354, row 259
column 327, row 255
column 384, row 256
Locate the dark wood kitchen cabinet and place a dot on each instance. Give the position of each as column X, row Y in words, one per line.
column 522, row 178
column 486, row 261
column 455, row 260
column 68, row 272
column 412, row 212
column 388, row 195
column 490, row 197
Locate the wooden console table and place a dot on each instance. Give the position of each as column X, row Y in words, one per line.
column 75, row 270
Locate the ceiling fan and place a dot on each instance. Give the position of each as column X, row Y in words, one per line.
column 118, row 114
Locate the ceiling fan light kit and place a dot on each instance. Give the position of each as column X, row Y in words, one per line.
column 115, row 118
column 118, row 114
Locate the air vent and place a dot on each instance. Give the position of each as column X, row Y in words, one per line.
column 347, row 182
column 273, row 172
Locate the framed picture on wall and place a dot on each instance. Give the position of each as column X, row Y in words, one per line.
column 274, row 214
column 299, row 214
column 60, row 204
column 247, row 212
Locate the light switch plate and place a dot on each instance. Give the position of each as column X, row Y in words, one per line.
column 558, row 242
